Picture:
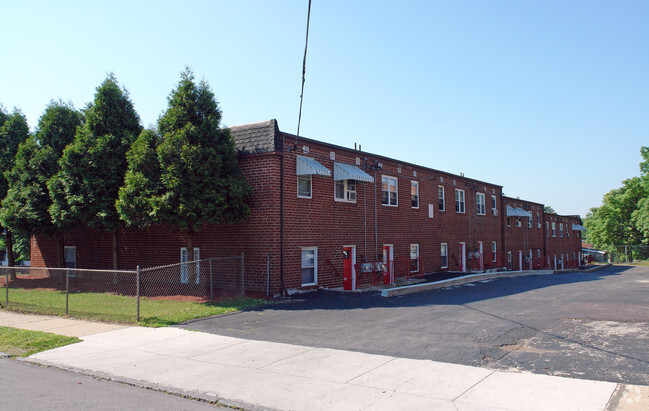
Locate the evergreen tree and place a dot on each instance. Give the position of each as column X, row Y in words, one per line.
column 198, row 181
column 25, row 208
column 13, row 131
column 93, row 165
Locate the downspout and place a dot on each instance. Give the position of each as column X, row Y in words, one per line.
column 376, row 233
column 503, row 218
column 281, row 222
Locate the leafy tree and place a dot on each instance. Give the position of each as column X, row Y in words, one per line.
column 25, row 208
column 548, row 209
column 93, row 165
column 198, row 181
column 615, row 222
column 13, row 131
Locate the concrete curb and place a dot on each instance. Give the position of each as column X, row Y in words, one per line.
column 192, row 395
column 472, row 278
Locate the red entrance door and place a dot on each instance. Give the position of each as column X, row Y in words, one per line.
column 348, row 269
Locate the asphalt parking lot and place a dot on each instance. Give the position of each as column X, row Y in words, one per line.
column 581, row 325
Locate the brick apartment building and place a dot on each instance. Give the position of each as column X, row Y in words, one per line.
column 328, row 216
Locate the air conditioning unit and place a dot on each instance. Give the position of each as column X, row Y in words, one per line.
column 495, row 211
column 351, row 196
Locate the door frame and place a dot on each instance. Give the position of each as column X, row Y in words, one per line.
column 353, row 258
column 390, row 262
column 463, row 257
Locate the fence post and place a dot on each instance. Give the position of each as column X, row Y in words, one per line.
column 211, row 284
column 137, row 290
column 6, row 287
column 268, row 274
column 243, row 292
column 67, row 290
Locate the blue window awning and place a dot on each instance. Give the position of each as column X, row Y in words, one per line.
column 577, row 227
column 306, row 165
column 349, row 172
column 517, row 212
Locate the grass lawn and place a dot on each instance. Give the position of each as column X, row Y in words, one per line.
column 119, row 308
column 22, row 343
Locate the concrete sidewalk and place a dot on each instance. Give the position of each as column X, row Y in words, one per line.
column 266, row 375
column 56, row 325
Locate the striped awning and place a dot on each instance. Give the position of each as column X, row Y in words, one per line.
column 517, row 212
column 349, row 172
column 306, row 165
column 577, row 227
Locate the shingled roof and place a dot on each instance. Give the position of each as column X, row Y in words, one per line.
column 255, row 138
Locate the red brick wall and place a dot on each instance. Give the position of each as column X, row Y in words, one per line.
column 328, row 224
column 523, row 238
column 159, row 245
column 569, row 244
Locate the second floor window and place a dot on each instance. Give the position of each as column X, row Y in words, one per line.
column 414, row 193
column 304, row 186
column 554, row 229
column 480, row 203
column 459, row 201
column 346, row 190
column 389, row 191
column 494, row 207
column 440, row 196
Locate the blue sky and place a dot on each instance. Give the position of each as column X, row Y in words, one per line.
column 548, row 99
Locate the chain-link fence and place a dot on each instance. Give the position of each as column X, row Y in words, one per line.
column 159, row 295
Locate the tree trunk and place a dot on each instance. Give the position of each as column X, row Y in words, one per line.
column 61, row 249
column 115, row 256
column 191, row 268
column 10, row 254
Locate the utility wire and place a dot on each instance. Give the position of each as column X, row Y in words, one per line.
column 306, row 45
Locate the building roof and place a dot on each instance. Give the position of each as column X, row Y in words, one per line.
column 256, row 138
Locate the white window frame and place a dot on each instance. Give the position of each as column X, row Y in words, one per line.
column 518, row 222
column 184, row 272
column 440, row 190
column 530, row 221
column 538, row 221
column 414, row 247
column 305, row 177
column 547, row 229
column 509, row 221
column 480, row 204
column 443, row 253
column 494, row 205
column 460, row 199
column 414, row 184
column 349, row 195
column 494, row 250
column 387, row 180
column 315, row 265
column 65, row 256
column 561, row 230
column 554, row 229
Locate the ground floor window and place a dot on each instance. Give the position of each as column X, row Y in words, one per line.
column 70, row 257
column 493, row 251
column 414, row 258
column 444, row 254
column 184, row 267
column 309, row 265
